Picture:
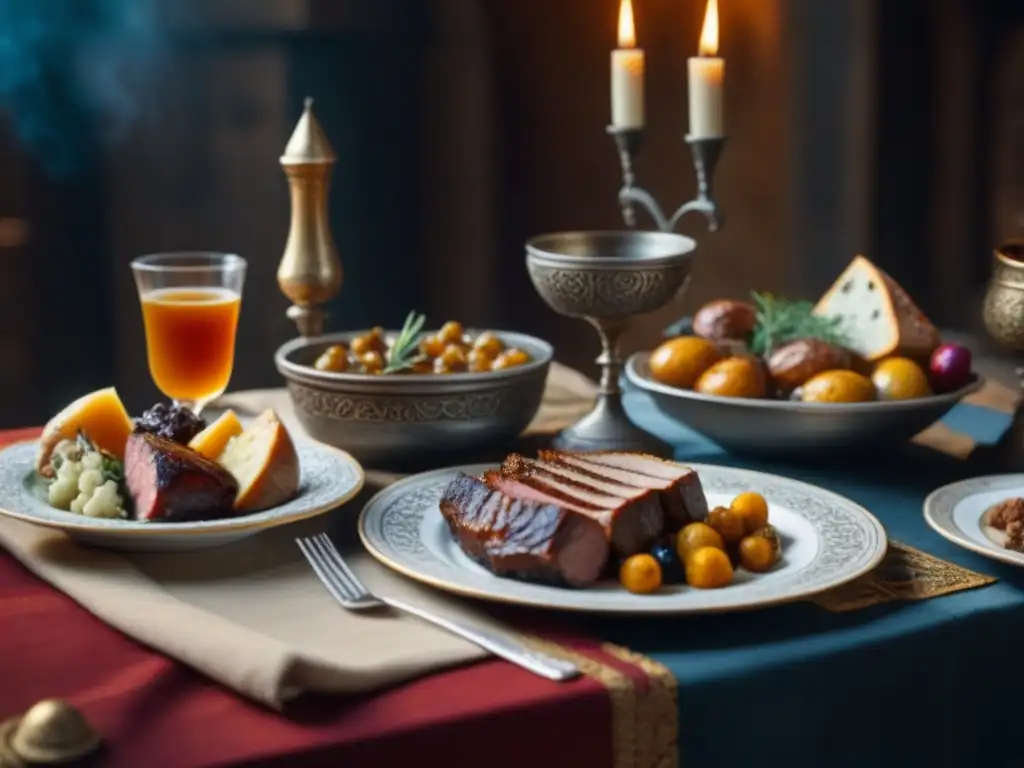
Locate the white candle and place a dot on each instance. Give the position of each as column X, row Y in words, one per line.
column 627, row 74
column 706, row 78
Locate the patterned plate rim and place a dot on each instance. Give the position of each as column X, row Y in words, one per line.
column 347, row 478
column 876, row 542
column 940, row 503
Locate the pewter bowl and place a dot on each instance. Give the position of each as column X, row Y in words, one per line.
column 785, row 427
column 391, row 420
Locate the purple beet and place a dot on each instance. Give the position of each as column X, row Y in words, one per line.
column 950, row 368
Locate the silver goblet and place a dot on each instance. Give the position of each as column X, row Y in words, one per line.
column 607, row 279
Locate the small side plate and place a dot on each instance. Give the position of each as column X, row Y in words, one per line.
column 956, row 512
column 329, row 478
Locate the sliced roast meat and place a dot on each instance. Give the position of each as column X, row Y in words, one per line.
column 678, row 486
column 631, row 517
column 524, row 538
column 169, row 482
column 560, row 517
column 591, row 480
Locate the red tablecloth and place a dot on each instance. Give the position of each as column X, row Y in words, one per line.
column 155, row 712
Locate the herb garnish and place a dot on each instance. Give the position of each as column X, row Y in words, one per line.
column 780, row 321
column 405, row 352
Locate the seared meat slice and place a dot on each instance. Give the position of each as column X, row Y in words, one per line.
column 559, row 518
column 527, row 539
column 678, row 486
column 169, row 482
column 631, row 516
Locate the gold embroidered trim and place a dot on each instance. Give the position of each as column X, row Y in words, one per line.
column 906, row 573
column 621, row 692
column 644, row 720
column 656, row 711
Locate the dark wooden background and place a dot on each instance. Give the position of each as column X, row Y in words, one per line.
column 463, row 128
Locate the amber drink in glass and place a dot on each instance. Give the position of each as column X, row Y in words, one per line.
column 190, row 306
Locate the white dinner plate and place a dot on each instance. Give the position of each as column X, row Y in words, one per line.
column 827, row 541
column 955, row 512
column 328, row 478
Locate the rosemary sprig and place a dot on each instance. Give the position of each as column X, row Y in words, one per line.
column 405, row 352
column 780, row 321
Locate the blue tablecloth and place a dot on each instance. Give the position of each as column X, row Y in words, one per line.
column 901, row 684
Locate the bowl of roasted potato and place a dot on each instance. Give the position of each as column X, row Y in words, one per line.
column 776, row 426
column 862, row 368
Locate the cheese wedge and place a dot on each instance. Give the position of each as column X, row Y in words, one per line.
column 264, row 462
column 879, row 317
column 100, row 415
column 212, row 441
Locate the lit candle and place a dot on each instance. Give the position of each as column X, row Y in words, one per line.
column 706, row 76
column 627, row 74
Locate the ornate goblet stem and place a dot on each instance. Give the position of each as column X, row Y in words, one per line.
column 608, row 427
column 610, row 359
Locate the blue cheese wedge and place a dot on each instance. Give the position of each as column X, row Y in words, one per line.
column 879, row 318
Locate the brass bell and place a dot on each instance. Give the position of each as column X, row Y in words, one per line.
column 52, row 732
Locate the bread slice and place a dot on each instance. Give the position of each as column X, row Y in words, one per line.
column 879, row 317
column 264, row 462
column 100, row 415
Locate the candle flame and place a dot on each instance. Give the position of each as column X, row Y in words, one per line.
column 708, row 45
column 627, row 30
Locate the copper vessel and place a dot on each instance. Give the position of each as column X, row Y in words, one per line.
column 310, row 271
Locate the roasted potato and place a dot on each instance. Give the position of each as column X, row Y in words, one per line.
column 734, row 377
column 840, row 386
column 679, row 362
column 795, row 363
column 725, row 319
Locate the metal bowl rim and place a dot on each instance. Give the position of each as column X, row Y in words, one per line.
column 289, row 369
column 544, row 257
column 874, row 406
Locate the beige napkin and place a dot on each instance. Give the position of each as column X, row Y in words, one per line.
column 252, row 615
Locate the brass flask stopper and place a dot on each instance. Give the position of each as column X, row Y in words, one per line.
column 310, row 271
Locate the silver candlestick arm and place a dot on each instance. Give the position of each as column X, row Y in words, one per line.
column 706, row 152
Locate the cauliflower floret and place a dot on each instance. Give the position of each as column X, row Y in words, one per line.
column 64, row 488
column 92, row 460
column 80, row 485
column 105, row 502
column 70, row 470
column 79, row 502
column 62, row 492
column 90, row 479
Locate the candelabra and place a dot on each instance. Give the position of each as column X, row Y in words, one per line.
column 706, row 152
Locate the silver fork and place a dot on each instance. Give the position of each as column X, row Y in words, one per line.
column 344, row 587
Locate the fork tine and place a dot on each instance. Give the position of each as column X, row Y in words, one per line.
column 337, row 559
column 352, row 590
column 325, row 576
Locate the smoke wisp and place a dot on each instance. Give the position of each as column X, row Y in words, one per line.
column 70, row 71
